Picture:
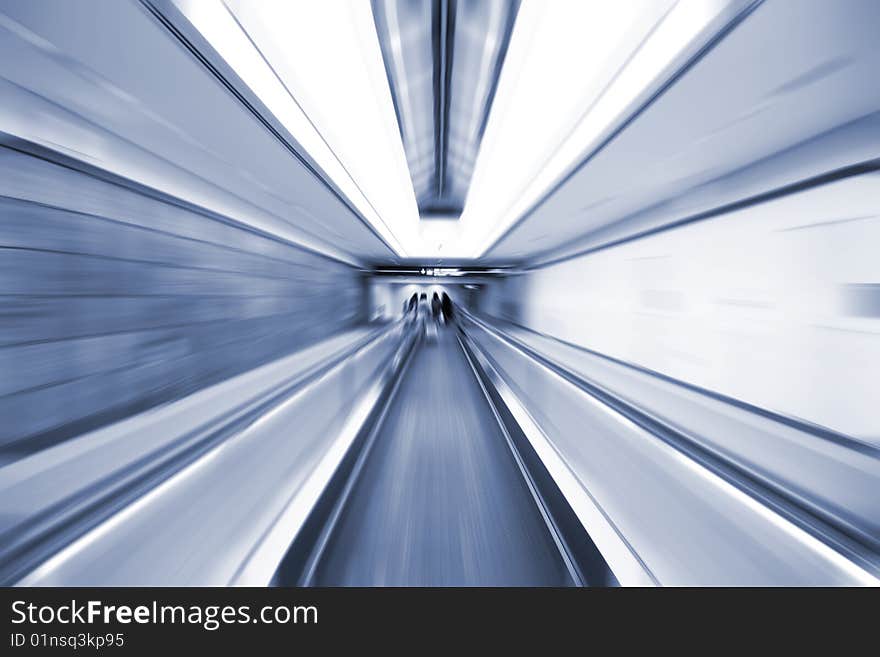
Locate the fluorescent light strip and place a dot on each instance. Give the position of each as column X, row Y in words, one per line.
column 217, row 24
column 644, row 41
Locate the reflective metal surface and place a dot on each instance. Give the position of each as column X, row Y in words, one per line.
column 443, row 59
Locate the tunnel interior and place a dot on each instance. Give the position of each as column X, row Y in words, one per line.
column 437, row 293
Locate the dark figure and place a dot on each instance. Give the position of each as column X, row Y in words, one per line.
column 435, row 306
column 447, row 307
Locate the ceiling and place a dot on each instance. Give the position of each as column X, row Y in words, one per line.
column 137, row 104
column 463, row 112
column 565, row 123
column 783, row 76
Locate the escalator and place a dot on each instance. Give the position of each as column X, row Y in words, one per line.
column 438, row 497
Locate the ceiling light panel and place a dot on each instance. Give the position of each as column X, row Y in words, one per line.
column 443, row 59
column 318, row 68
column 574, row 70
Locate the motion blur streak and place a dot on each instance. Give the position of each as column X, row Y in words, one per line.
column 216, row 367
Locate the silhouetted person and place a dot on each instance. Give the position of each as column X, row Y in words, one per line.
column 447, row 307
column 435, row 306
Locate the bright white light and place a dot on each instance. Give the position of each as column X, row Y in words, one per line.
column 327, row 55
column 573, row 70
